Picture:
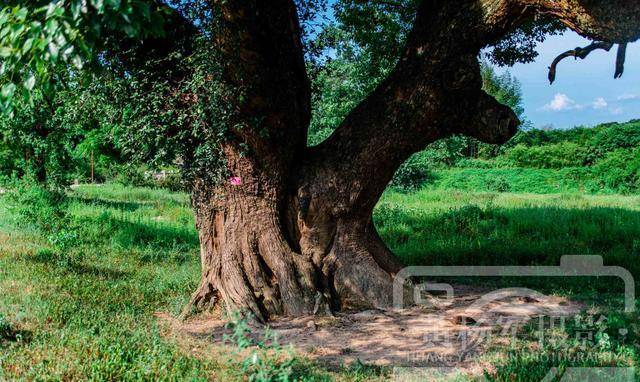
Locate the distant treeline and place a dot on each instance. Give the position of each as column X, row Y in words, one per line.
column 605, row 158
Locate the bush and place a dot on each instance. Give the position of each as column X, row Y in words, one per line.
column 172, row 180
column 560, row 155
column 413, row 173
column 45, row 210
column 268, row 361
column 619, row 170
column 39, row 207
column 130, row 175
column 616, row 136
column 498, row 184
column 143, row 176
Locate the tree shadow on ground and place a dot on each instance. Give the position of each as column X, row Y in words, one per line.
column 62, row 262
column 15, row 336
column 541, row 235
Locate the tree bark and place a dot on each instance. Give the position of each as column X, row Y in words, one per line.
column 291, row 231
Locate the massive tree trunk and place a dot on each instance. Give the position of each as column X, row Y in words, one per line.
column 291, row 232
column 274, row 250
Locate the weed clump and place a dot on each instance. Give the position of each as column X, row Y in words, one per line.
column 267, row 360
column 45, row 210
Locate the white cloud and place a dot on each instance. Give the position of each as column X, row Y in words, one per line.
column 616, row 110
column 628, row 97
column 599, row 103
column 561, row 102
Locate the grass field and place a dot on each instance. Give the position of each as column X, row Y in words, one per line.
column 517, row 180
column 446, row 227
column 87, row 312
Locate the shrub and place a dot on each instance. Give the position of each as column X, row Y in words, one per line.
column 46, row 210
column 413, row 173
column 130, row 175
column 172, row 180
column 619, row 170
column 616, row 136
column 560, row 155
column 498, row 184
column 39, row 207
column 142, row 176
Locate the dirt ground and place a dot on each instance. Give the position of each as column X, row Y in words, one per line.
column 450, row 332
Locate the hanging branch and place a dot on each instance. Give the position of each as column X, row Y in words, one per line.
column 620, row 58
column 582, row 53
column 578, row 52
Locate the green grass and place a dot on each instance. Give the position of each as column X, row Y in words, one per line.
column 87, row 312
column 447, row 227
column 92, row 317
column 439, row 227
column 520, row 180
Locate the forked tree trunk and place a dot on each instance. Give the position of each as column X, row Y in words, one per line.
column 249, row 265
column 268, row 251
column 291, row 232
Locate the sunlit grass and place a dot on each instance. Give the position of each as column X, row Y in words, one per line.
column 88, row 313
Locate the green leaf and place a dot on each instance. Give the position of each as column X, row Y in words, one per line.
column 54, row 50
column 98, row 5
column 28, row 44
column 22, row 14
column 114, row 4
column 8, row 90
column 30, row 83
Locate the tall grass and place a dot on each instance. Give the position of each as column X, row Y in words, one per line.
column 518, row 180
column 444, row 227
column 439, row 227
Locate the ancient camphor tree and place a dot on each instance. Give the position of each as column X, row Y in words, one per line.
column 289, row 229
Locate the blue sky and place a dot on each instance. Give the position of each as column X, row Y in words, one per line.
column 585, row 92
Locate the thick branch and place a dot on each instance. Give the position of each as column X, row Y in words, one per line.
column 490, row 121
column 578, row 52
column 434, row 91
column 620, row 58
column 615, row 21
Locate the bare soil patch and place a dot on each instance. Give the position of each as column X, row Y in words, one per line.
column 446, row 334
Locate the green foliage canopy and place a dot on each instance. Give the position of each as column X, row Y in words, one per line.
column 47, row 47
